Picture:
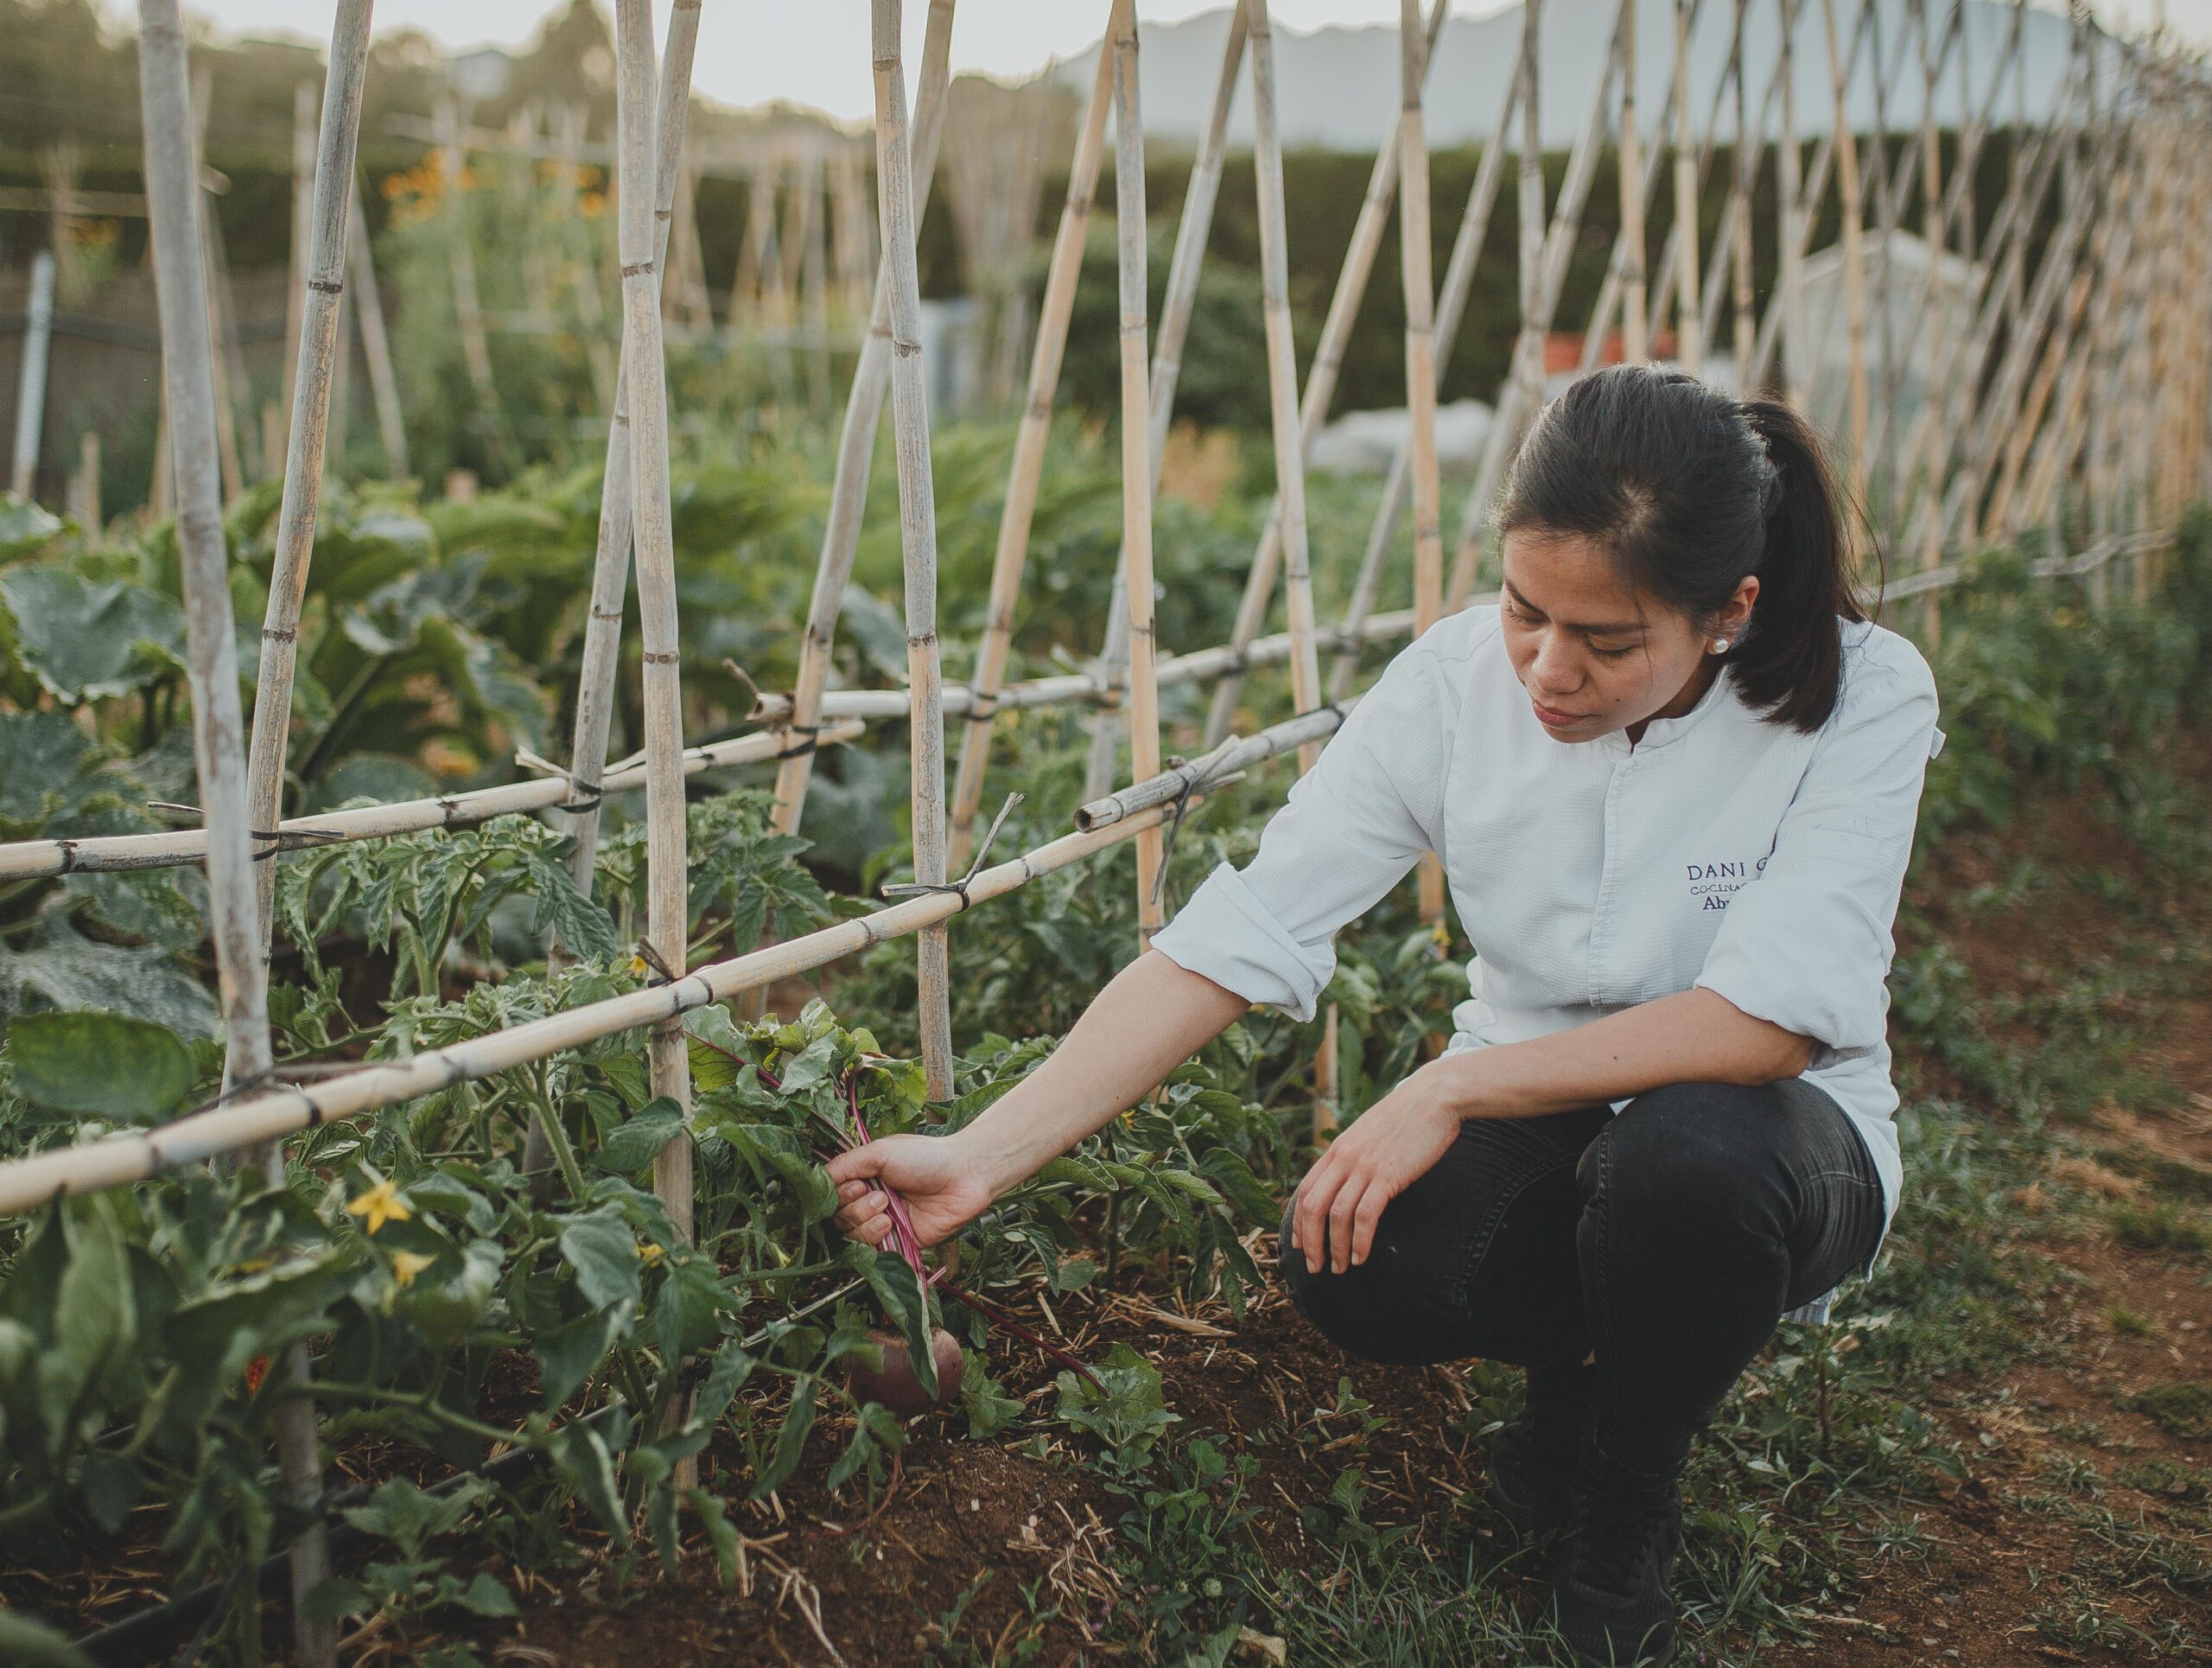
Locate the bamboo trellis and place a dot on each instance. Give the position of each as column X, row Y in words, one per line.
column 2069, row 391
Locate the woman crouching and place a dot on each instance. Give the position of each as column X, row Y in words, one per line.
column 1672, row 777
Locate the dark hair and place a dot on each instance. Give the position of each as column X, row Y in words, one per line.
column 1690, row 490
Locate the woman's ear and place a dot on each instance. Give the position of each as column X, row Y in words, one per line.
column 1734, row 616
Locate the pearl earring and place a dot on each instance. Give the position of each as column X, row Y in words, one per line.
column 1721, row 645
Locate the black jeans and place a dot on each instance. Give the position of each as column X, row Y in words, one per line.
column 1669, row 1240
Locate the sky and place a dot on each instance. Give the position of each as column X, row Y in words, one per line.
column 816, row 52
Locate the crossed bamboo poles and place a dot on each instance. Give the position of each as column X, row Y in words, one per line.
column 2048, row 402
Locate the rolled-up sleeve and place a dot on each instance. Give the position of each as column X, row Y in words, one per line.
column 1351, row 827
column 1806, row 945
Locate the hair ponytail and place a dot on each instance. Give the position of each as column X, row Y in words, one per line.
column 1789, row 663
column 1692, row 491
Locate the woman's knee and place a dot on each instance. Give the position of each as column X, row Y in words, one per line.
column 1375, row 1310
column 1691, row 1152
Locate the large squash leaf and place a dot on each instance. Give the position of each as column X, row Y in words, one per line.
column 85, row 639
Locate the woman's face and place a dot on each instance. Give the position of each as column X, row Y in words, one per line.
column 1593, row 655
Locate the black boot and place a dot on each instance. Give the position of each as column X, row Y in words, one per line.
column 1617, row 1564
column 1533, row 1460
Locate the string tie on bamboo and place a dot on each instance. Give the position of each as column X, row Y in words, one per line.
column 276, row 839
column 661, row 972
column 809, row 740
column 959, row 888
column 581, row 797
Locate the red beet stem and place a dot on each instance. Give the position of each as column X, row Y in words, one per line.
column 998, row 1317
column 909, row 1243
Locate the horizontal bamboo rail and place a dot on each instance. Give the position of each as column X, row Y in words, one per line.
column 31, row 859
column 140, row 1155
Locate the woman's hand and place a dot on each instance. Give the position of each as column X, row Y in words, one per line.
column 945, row 1188
column 1391, row 1145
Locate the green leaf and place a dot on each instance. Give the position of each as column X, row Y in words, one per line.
column 989, row 1409
column 568, row 1355
column 733, row 1365
column 639, row 1141
column 812, row 1065
column 604, row 1253
column 23, row 526
column 95, row 1323
column 720, row 1532
column 791, row 1440
column 582, row 1459
column 28, row 1644
column 685, row 1309
column 63, row 969
column 907, row 1307
column 446, row 1309
column 86, row 638
column 485, row 1595
column 584, row 929
column 45, row 763
column 105, row 1065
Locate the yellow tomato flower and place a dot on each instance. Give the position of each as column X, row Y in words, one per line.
column 380, row 1204
column 648, row 1253
column 405, row 1266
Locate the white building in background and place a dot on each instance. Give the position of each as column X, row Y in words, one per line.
column 1907, row 299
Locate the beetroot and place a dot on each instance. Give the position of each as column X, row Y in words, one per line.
column 895, row 1384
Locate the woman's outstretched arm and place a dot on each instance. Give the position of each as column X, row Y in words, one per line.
column 1150, row 1018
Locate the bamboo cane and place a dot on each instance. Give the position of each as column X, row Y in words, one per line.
column 1932, row 230
column 1524, row 392
column 1419, row 284
column 32, row 859
column 1282, row 376
column 188, row 359
column 376, row 346
column 1137, row 449
column 1667, row 272
column 1734, row 233
column 1320, row 392
column 583, row 266
column 1742, row 164
column 856, row 445
column 1770, row 323
column 1885, row 221
column 222, row 316
column 1635, row 340
column 1959, row 219
column 468, row 310
column 1451, row 308
column 1196, row 667
column 1855, row 276
column 1529, row 345
column 1198, row 201
column 321, row 287
column 1689, row 348
column 610, row 555
column 88, row 476
column 2060, row 352
column 1789, row 208
column 141, row 1154
column 306, row 157
column 28, row 1184
column 917, row 530
column 1942, row 499
column 1027, row 470
column 842, row 712
column 645, row 373
column 31, row 388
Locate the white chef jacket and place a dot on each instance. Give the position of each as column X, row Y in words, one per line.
column 1721, row 850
